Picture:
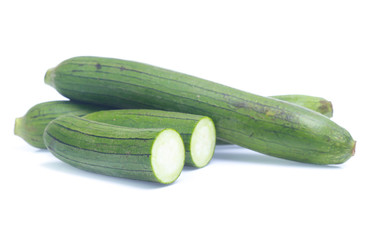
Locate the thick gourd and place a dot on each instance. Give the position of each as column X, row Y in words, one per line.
column 263, row 124
column 145, row 154
column 198, row 132
column 31, row 126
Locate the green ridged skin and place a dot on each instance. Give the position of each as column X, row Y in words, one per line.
column 103, row 148
column 316, row 104
column 184, row 123
column 263, row 124
column 31, row 126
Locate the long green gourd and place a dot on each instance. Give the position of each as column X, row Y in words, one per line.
column 198, row 132
column 31, row 126
column 144, row 154
column 263, row 124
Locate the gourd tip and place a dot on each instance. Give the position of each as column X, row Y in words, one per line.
column 354, row 148
column 331, row 108
column 49, row 77
column 17, row 126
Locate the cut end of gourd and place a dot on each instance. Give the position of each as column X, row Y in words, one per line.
column 49, row 77
column 203, row 142
column 168, row 156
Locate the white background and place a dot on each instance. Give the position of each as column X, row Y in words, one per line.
column 322, row 48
